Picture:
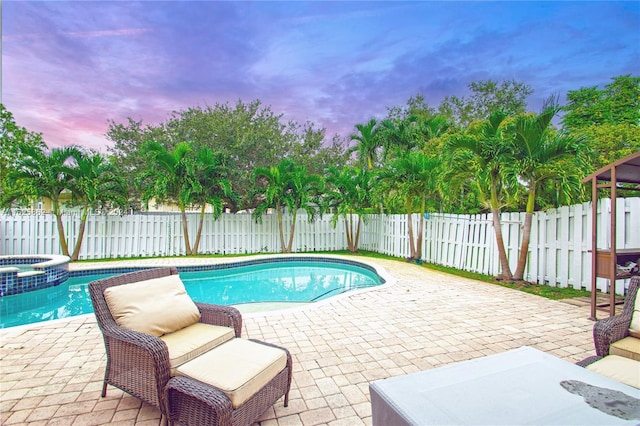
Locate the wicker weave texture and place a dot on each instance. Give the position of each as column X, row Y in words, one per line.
column 138, row 363
column 612, row 329
column 588, row 361
column 194, row 403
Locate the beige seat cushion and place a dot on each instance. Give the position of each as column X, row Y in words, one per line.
column 156, row 306
column 634, row 327
column 239, row 368
column 618, row 368
column 629, row 347
column 194, row 340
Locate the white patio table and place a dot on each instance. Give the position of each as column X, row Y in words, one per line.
column 518, row 387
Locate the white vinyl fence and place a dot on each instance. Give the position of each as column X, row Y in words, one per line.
column 558, row 253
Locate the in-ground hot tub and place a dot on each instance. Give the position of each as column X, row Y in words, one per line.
column 29, row 272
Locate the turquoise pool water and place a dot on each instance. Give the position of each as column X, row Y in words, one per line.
column 290, row 281
column 21, row 268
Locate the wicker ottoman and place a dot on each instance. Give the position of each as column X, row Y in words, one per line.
column 232, row 384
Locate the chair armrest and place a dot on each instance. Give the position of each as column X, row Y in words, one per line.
column 588, row 361
column 227, row 316
column 609, row 330
column 203, row 404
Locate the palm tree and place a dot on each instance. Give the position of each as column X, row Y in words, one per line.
column 433, row 127
column 400, row 135
column 167, row 178
column 95, row 183
column 368, row 143
column 543, row 157
column 480, row 158
column 349, row 195
column 46, row 174
column 212, row 172
column 413, row 179
column 187, row 179
column 287, row 186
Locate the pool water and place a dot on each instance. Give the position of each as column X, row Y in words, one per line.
column 291, row 281
column 21, row 267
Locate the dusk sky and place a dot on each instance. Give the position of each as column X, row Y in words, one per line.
column 68, row 67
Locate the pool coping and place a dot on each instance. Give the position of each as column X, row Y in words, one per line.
column 203, row 264
column 47, row 271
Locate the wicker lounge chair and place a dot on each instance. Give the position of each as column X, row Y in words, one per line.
column 608, row 331
column 140, row 363
column 611, row 336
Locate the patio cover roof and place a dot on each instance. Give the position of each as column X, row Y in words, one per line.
column 627, row 170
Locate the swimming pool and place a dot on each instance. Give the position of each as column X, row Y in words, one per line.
column 282, row 280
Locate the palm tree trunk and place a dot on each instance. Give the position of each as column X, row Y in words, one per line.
column 420, row 230
column 502, row 252
column 185, row 230
column 78, row 244
column 357, row 239
column 281, row 229
column 199, row 231
column 526, row 236
column 348, row 225
column 292, row 230
column 505, row 269
column 412, row 246
column 63, row 240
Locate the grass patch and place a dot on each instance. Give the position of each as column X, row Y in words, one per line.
column 549, row 292
column 554, row 293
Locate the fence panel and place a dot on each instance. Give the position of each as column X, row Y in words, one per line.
column 481, row 245
column 559, row 248
column 370, row 235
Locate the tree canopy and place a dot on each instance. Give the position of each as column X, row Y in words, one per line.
column 478, row 153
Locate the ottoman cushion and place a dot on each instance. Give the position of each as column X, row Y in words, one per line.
column 629, row 347
column 618, row 368
column 194, row 340
column 238, row 367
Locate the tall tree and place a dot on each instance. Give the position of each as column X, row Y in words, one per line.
column 608, row 118
column 127, row 153
column 348, row 195
column 431, row 130
column 187, row 178
column 416, row 106
column 167, row 177
column 541, row 157
column 211, row 171
column 12, row 137
column 96, row 184
column 46, row 174
column 486, row 96
column 368, row 143
column 250, row 134
column 399, row 135
column 609, row 142
column 481, row 157
column 287, row 186
column 412, row 179
column 617, row 103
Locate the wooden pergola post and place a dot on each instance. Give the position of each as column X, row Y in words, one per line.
column 604, row 262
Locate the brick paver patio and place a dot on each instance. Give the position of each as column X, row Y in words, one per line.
column 51, row 373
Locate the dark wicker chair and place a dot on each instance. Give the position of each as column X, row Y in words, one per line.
column 609, row 330
column 138, row 363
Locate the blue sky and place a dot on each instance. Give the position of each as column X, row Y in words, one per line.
column 68, row 67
